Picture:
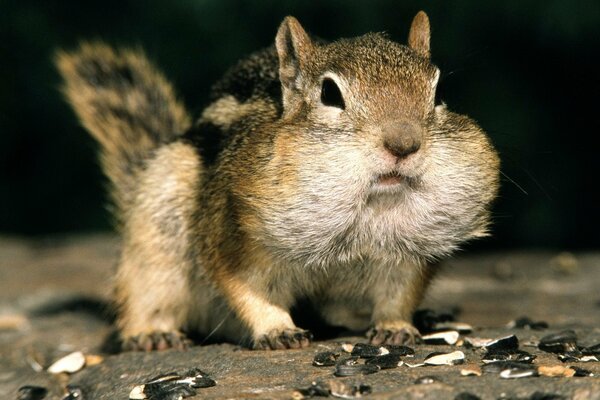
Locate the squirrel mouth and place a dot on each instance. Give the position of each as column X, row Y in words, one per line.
column 389, row 179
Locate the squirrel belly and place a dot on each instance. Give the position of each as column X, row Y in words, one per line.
column 320, row 171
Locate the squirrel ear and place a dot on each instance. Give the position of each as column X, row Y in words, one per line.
column 293, row 48
column 418, row 37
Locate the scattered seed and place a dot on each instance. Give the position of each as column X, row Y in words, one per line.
column 518, row 373
column 456, row 357
column 471, row 370
column 31, row 393
column 400, row 350
column 414, row 365
column 576, row 356
column 561, row 342
column 426, row 380
column 510, row 342
column 70, row 363
column 352, row 360
column 447, row 337
column 555, row 370
column 591, row 350
column 513, row 355
column 325, row 359
column 364, row 350
column 476, row 342
column 580, row 371
column 527, row 323
column 355, row 369
column 385, row 361
column 499, row 366
column 73, row 393
column 172, row 386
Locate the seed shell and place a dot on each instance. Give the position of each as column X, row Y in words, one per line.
column 69, row 364
column 385, row 361
column 356, row 369
column 561, row 342
column 456, row 357
column 30, row 392
column 447, row 337
column 325, row 359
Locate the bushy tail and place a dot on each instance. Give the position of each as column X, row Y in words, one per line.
column 127, row 106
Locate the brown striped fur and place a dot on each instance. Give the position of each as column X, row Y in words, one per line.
column 342, row 194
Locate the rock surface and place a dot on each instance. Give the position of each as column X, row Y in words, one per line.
column 53, row 295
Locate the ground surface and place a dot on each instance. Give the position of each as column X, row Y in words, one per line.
column 51, row 293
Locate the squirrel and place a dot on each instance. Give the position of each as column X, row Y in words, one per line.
column 319, row 170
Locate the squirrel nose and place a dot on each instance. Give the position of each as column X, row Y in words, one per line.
column 401, row 139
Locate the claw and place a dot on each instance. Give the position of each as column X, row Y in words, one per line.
column 156, row 341
column 287, row 339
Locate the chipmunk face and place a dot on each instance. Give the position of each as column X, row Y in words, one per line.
column 365, row 162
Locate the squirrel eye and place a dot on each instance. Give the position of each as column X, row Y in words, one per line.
column 331, row 95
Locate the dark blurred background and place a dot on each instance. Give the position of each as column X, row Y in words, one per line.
column 527, row 71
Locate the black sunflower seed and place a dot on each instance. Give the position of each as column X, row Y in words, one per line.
column 561, row 342
column 364, row 350
column 546, row 396
column 316, row 389
column 386, row 361
column 351, row 360
column 356, row 369
column 73, row 393
column 580, row 371
column 528, row 323
column 499, row 366
column 399, row 349
column 505, row 343
column 344, row 390
column 325, row 359
column 30, row 392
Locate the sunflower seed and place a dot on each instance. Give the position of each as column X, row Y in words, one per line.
column 356, row 369
column 518, row 373
column 505, row 343
column 456, row 357
column 364, row 350
column 70, row 363
column 580, row 371
column 31, row 393
column 561, row 342
column 73, row 393
column 460, row 327
column 386, row 361
column 325, row 359
column 499, row 366
column 466, row 396
column 172, row 386
column 399, row 349
column 448, row 337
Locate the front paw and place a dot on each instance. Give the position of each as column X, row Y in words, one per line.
column 397, row 334
column 156, row 341
column 283, row 339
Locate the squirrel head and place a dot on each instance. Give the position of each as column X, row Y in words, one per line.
column 362, row 163
column 369, row 84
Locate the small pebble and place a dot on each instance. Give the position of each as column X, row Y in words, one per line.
column 31, row 393
column 347, row 347
column 565, row 263
column 456, row 357
column 471, row 370
column 555, row 370
column 343, row 390
column 69, row 364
